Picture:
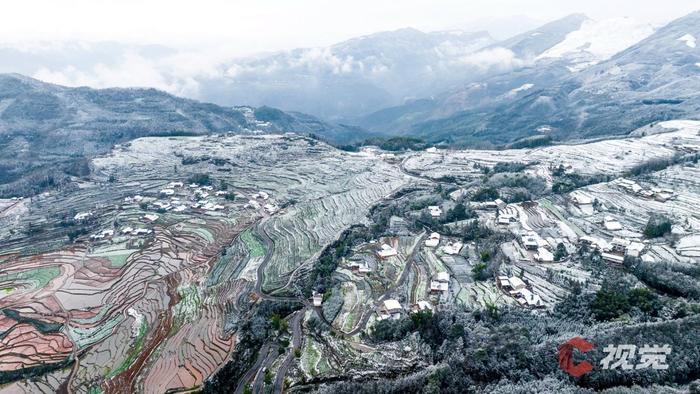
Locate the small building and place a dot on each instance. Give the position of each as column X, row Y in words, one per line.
column 613, row 258
column 432, row 149
column 611, row 224
column 433, row 240
column 634, row 249
column 663, row 196
column 317, row 299
column 103, row 234
column 544, row 256
column 150, row 217
column 127, row 230
column 361, row 267
column 440, row 282
column 512, row 283
column 489, row 205
column 506, row 219
column 390, row 309
column 173, row 185
column 530, row 241
column 162, row 205
column 500, row 204
column 386, row 251
column 525, row 297
column 618, row 245
column 435, row 211
column 422, row 306
column 452, row 248
column 593, row 242
column 167, row 192
column 82, row 215
column 579, row 198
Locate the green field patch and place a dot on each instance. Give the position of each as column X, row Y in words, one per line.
column 190, row 304
column 84, row 337
column 255, row 248
column 116, row 254
column 37, row 278
column 200, row 231
column 310, row 358
column 133, row 353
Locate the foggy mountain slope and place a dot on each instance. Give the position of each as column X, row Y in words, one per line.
column 48, row 129
column 655, row 79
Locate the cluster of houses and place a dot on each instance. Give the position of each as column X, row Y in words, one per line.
column 135, row 231
column 128, row 231
column 633, row 187
column 516, row 288
column 260, row 199
column 530, row 240
column 108, row 233
column 167, row 201
column 392, row 309
column 451, row 248
column 170, row 202
column 616, row 250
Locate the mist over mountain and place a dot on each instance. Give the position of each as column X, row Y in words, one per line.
column 568, row 78
column 655, row 79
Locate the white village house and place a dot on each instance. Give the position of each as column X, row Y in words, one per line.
column 433, row 240
column 386, row 251
column 435, row 211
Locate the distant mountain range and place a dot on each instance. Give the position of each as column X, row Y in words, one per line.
column 655, row 79
column 587, row 85
column 571, row 78
column 48, row 131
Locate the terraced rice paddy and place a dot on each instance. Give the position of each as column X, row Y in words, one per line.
column 138, row 281
column 151, row 312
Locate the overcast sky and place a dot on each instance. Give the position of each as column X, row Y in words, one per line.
column 263, row 25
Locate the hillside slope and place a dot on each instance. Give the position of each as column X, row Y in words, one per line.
column 48, row 131
column 656, row 79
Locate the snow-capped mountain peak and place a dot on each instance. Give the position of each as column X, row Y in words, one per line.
column 599, row 40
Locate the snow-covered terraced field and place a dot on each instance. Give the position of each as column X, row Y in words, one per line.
column 608, row 156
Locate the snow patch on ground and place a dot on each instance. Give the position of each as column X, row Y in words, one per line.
column 601, row 39
column 522, row 88
column 138, row 320
column 688, row 39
